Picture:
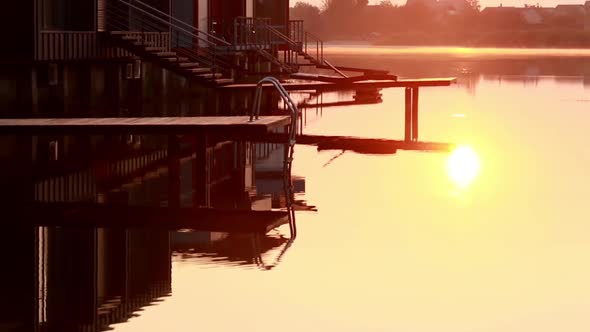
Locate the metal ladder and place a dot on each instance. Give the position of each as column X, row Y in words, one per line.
column 289, row 146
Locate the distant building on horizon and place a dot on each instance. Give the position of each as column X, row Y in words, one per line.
column 572, row 16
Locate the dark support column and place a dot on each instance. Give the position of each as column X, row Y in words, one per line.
column 201, row 173
column 173, row 171
column 415, row 113
column 19, row 186
column 408, row 120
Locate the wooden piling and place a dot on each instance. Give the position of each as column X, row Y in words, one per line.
column 408, row 117
column 173, row 171
column 415, row 114
column 201, row 173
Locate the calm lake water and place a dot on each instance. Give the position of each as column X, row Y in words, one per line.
column 493, row 238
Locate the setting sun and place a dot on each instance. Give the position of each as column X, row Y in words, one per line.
column 463, row 166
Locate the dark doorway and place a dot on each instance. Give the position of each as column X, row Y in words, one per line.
column 222, row 14
column 276, row 10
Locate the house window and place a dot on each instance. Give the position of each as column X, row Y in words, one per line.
column 133, row 70
column 52, row 74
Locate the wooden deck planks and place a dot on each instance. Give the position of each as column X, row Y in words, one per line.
column 94, row 215
column 344, row 85
column 154, row 125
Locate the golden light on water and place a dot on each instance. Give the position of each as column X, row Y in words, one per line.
column 463, row 166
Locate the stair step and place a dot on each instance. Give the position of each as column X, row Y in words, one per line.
column 165, row 54
column 188, row 65
column 155, row 49
column 198, row 70
column 175, row 59
column 209, row 75
column 130, row 37
column 142, row 44
column 224, row 81
column 119, row 32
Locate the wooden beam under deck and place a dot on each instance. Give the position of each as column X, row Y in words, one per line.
column 355, row 144
column 173, row 218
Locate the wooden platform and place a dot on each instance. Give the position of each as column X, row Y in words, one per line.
column 153, row 125
column 351, row 85
column 340, row 79
column 94, row 215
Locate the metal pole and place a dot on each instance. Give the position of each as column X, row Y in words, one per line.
column 408, row 119
column 415, row 113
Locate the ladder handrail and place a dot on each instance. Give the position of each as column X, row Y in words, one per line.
column 254, row 115
column 172, row 18
column 289, row 147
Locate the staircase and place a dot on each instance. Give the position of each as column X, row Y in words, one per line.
column 312, row 50
column 157, row 37
column 256, row 34
column 302, row 44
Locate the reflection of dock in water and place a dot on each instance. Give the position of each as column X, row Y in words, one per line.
column 228, row 248
column 80, row 279
column 169, row 218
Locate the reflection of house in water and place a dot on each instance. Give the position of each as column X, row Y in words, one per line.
column 80, row 279
column 469, row 81
column 70, row 279
column 586, row 73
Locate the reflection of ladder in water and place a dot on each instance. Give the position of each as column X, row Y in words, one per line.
column 289, row 145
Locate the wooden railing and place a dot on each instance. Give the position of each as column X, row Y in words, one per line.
column 251, row 31
column 295, row 31
column 82, row 45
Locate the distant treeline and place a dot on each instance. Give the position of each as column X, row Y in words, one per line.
column 417, row 23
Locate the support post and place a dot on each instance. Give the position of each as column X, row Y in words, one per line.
column 201, row 172
column 173, row 171
column 415, row 113
column 408, row 118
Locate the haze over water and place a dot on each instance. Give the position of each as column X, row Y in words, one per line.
column 398, row 244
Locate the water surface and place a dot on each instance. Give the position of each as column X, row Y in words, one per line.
column 397, row 244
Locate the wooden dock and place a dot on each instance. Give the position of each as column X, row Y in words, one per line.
column 200, row 129
column 412, row 87
column 172, row 218
column 207, row 125
column 340, row 79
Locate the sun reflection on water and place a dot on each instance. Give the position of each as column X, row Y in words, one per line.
column 463, row 166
